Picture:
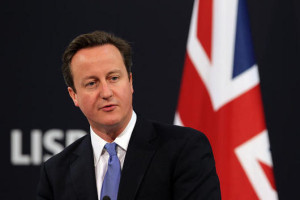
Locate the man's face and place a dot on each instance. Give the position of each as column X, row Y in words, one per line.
column 103, row 89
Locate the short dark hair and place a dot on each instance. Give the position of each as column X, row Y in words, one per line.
column 96, row 38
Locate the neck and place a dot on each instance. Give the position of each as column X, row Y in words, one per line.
column 111, row 132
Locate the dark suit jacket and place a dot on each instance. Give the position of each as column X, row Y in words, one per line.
column 162, row 162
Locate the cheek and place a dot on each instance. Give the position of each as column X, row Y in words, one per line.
column 127, row 96
column 86, row 102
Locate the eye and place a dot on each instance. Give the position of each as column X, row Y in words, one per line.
column 90, row 84
column 114, row 78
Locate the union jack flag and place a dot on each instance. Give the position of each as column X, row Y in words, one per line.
column 220, row 95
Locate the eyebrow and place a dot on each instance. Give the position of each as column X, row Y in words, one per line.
column 109, row 73
column 114, row 71
column 89, row 77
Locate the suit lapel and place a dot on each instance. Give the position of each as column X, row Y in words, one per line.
column 83, row 172
column 141, row 148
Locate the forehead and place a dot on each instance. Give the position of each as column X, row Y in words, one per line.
column 97, row 53
column 99, row 57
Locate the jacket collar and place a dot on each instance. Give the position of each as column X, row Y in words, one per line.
column 142, row 146
column 83, row 172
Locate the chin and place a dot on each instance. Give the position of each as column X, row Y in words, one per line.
column 111, row 122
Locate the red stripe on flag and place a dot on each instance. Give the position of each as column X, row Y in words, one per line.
column 204, row 29
column 229, row 127
column 269, row 173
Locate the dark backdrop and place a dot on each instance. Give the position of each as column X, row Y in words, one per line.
column 34, row 99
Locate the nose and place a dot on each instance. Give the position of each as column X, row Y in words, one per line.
column 106, row 91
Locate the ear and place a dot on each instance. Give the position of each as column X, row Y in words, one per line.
column 130, row 81
column 73, row 95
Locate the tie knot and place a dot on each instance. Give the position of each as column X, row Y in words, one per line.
column 111, row 148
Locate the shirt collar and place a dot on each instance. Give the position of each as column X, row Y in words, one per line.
column 122, row 140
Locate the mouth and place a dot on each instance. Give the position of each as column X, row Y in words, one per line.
column 108, row 108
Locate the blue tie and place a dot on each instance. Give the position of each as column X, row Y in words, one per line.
column 111, row 181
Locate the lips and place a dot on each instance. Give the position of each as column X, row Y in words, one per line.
column 108, row 108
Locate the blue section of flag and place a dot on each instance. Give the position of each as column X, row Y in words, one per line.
column 243, row 53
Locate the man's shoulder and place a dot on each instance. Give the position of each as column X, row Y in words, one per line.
column 178, row 139
column 175, row 131
column 70, row 151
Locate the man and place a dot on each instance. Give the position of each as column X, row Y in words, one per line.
column 150, row 161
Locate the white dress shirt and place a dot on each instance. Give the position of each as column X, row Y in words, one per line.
column 101, row 155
